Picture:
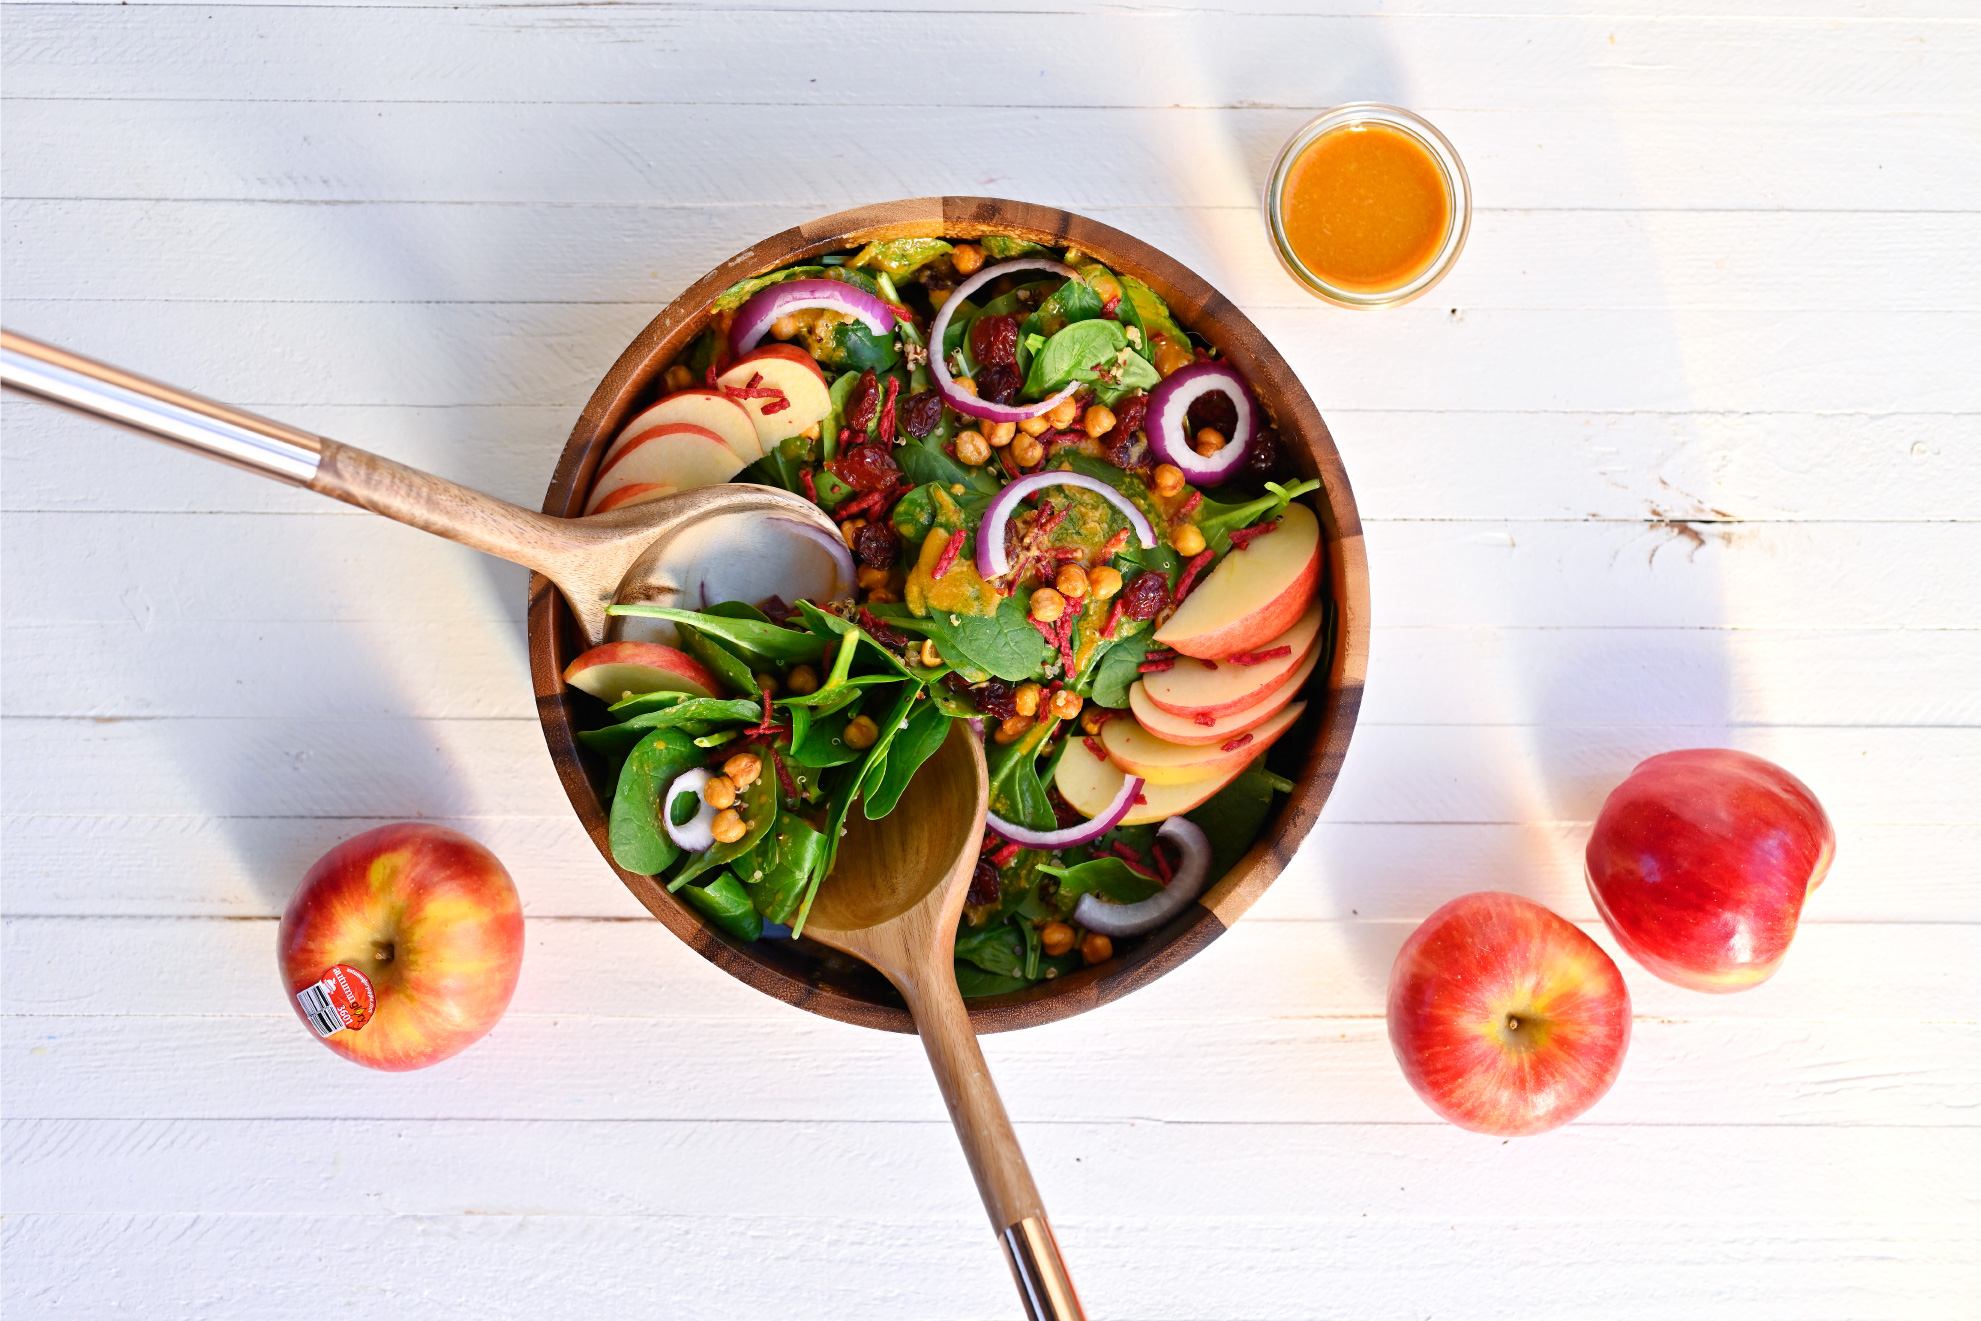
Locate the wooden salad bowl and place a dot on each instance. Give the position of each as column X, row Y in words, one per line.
column 804, row 972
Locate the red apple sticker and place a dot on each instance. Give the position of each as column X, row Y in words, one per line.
column 1506, row 1018
column 402, row 945
column 1700, row 862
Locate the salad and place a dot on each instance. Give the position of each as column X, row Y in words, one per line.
column 1071, row 525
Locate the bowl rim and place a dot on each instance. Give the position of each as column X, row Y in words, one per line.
column 1198, row 307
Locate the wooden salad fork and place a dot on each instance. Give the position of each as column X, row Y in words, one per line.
column 623, row 555
column 892, row 900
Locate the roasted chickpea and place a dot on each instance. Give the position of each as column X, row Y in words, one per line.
column 861, row 733
column 785, row 327
column 967, row 384
column 937, row 297
column 1055, row 938
column 1208, row 441
column 1103, row 581
column 967, row 258
column 849, row 532
column 883, row 596
column 1093, row 718
column 1167, row 479
column 1172, row 357
column 802, row 679
column 927, row 653
column 767, row 683
column 719, row 792
column 999, row 434
column 810, row 433
column 869, row 577
column 1047, row 605
column 1099, row 420
column 728, row 827
column 1026, row 698
column 1035, row 426
column 1071, row 582
column 1066, row 703
column 1026, row 451
column 1012, row 728
column 971, row 447
column 743, row 769
column 1188, row 539
column 678, row 377
column 1096, row 948
column 1062, row 413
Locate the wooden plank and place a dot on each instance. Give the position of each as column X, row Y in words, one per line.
column 1203, row 57
column 145, row 569
column 1815, row 158
column 1788, row 13
column 1328, row 975
column 233, row 866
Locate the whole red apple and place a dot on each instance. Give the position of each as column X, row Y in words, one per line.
column 1506, row 1018
column 1700, row 862
column 402, row 945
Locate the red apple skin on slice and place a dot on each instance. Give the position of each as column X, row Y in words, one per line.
column 611, row 671
column 636, row 494
column 1254, row 594
column 1192, row 688
column 677, row 454
column 704, row 408
column 782, row 368
column 1159, row 761
column 1089, row 783
column 1222, row 729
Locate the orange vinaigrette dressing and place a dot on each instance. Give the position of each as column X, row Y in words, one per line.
column 1365, row 207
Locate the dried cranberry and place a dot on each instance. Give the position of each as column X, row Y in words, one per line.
column 865, row 467
column 876, row 546
column 1124, row 452
column 922, row 413
column 998, row 384
column 1216, row 411
column 1147, row 595
column 984, row 884
column 996, row 698
column 1130, row 414
column 864, row 401
column 880, row 630
column 994, row 340
column 1268, row 456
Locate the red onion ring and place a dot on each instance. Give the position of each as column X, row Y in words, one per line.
column 1067, row 837
column 754, row 318
column 1096, row 914
column 962, row 400
column 842, row 558
column 991, row 559
column 1169, row 421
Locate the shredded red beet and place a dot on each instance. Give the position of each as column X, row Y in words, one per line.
column 1187, row 508
column 1259, row 657
column 1206, row 721
column 1094, row 746
column 1111, row 546
column 886, row 410
column 1235, row 744
column 950, row 550
column 1245, row 536
column 1191, row 570
column 1207, row 664
column 1113, row 618
column 1003, row 857
column 1156, row 666
column 811, row 487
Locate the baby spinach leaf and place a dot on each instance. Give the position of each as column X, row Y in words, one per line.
column 900, row 258
column 1118, row 670
column 852, row 347
column 784, row 645
column 925, row 462
column 1151, row 313
column 739, row 293
column 696, row 709
column 1077, row 353
column 779, row 874
column 1110, row 878
column 836, row 396
column 641, row 703
column 1075, row 300
column 974, row 982
column 827, row 625
column 996, row 948
column 727, row 904
column 1232, row 817
column 1004, row 644
column 639, row 842
column 1218, row 521
column 757, row 805
column 1003, row 246
column 613, row 741
column 729, row 667
column 1016, row 792
column 818, row 739
column 927, row 726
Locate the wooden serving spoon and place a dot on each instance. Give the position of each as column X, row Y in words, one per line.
column 642, row 554
column 893, row 899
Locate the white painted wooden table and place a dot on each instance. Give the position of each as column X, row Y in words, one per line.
column 1687, row 451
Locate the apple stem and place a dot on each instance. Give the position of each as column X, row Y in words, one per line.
column 382, row 953
column 1512, row 1023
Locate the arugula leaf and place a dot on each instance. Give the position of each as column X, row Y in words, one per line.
column 639, row 841
column 900, row 258
column 784, row 645
column 1118, row 670
column 927, row 727
column 1110, row 878
column 728, row 905
column 757, row 804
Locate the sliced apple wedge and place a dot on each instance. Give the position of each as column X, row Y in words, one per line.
column 616, row 669
column 1254, row 594
column 1217, row 689
column 1157, row 760
column 1201, row 730
column 1089, row 783
column 704, row 408
column 677, row 454
column 636, row 494
column 801, row 399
